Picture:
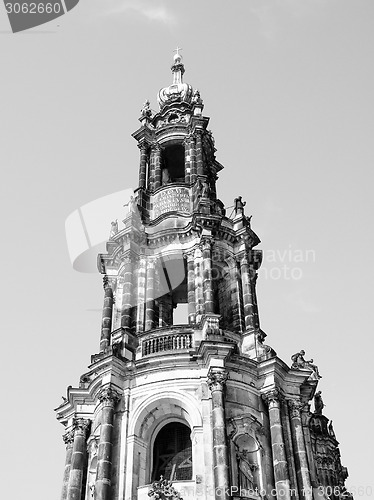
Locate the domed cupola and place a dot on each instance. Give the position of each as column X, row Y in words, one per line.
column 177, row 92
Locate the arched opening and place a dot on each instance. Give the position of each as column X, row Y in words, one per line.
column 172, row 161
column 172, row 453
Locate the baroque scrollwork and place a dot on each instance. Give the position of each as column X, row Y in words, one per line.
column 164, row 490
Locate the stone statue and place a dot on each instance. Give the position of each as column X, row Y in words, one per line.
column 331, row 430
column 146, row 109
column 196, row 99
column 114, row 228
column 239, row 205
column 165, row 176
column 205, row 190
column 318, row 403
column 299, row 363
column 245, row 468
column 131, row 204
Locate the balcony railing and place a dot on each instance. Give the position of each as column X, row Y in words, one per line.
column 170, row 342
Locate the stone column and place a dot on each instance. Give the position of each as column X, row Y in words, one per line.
column 238, row 297
column 143, row 166
column 191, row 288
column 301, row 459
column 106, row 322
column 187, row 159
column 305, row 419
column 150, row 295
column 157, row 165
column 199, row 284
column 206, row 244
column 247, row 293
column 68, row 438
column 199, row 153
column 282, row 480
column 152, row 167
column 127, row 293
column 216, row 380
column 78, row 459
column 193, row 160
column 141, row 295
column 289, row 448
column 108, row 398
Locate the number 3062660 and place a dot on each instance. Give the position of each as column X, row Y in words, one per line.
column 32, row 8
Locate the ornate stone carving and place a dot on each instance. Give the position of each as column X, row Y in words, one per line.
column 295, row 407
column 164, row 490
column 146, row 109
column 318, row 403
column 113, row 228
column 68, row 437
column 81, row 425
column 108, row 396
column 217, row 379
column 299, row 363
column 272, row 397
column 239, row 205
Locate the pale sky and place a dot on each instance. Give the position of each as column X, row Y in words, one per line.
column 288, row 85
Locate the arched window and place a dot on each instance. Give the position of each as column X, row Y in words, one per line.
column 172, row 453
column 173, row 164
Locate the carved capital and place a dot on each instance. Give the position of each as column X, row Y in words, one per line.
column 81, row 426
column 272, row 398
column 68, row 438
column 155, row 147
column 206, row 243
column 108, row 397
column 217, row 378
column 295, row 407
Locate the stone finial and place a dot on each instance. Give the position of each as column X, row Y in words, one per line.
column 164, row 490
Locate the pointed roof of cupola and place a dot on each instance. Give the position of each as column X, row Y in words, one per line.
column 178, row 91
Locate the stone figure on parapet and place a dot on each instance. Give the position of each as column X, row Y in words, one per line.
column 146, row 109
column 131, row 204
column 113, row 228
column 331, row 430
column 318, row 403
column 299, row 363
column 203, row 189
column 239, row 205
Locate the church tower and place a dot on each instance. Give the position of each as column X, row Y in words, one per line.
column 199, row 407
